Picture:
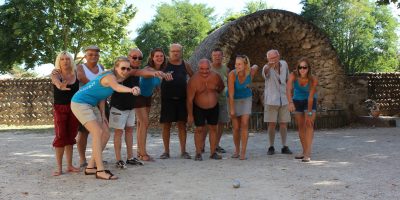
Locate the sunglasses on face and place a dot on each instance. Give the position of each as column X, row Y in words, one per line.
column 137, row 58
column 302, row 67
column 126, row 69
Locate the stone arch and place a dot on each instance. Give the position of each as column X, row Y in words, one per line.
column 292, row 36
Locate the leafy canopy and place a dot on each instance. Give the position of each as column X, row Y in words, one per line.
column 363, row 33
column 177, row 22
column 32, row 32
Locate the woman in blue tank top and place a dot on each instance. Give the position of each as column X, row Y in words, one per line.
column 303, row 104
column 156, row 61
column 84, row 106
column 240, row 101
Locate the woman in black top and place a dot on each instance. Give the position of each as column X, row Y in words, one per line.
column 66, row 85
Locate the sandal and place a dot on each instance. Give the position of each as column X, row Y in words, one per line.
column 185, row 155
column 306, row 160
column 90, row 173
column 164, row 156
column 299, row 157
column 107, row 172
column 198, row 157
column 235, row 155
column 56, row 173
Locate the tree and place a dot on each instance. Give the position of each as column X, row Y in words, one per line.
column 250, row 8
column 178, row 22
column 362, row 33
column 387, row 2
column 32, row 32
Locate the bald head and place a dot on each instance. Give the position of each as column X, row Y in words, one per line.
column 204, row 67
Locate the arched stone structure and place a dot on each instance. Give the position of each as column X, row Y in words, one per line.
column 289, row 33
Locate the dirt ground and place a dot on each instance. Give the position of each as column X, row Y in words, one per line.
column 351, row 163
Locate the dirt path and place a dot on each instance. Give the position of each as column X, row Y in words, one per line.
column 362, row 163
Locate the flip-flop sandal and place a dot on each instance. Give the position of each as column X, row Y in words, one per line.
column 164, row 156
column 299, row 157
column 90, row 173
column 56, row 173
column 235, row 156
column 185, row 155
column 107, row 172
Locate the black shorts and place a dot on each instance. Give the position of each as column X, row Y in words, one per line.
column 173, row 110
column 201, row 116
column 142, row 101
column 302, row 105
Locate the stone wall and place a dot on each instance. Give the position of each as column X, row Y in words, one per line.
column 289, row 33
column 30, row 101
column 26, row 101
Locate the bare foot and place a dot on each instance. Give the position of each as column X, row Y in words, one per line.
column 72, row 169
column 242, row 157
column 235, row 155
column 105, row 175
column 56, row 173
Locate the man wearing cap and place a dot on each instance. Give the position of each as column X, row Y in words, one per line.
column 85, row 73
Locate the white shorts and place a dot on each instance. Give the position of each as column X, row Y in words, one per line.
column 119, row 119
column 276, row 114
column 85, row 112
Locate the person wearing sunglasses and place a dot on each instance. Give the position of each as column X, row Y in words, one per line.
column 276, row 73
column 240, row 102
column 304, row 104
column 122, row 113
column 84, row 106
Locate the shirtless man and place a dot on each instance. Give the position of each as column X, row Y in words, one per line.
column 202, row 105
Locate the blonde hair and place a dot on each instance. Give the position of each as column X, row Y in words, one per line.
column 64, row 53
column 119, row 60
column 246, row 62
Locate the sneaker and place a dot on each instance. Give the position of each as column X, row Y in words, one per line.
column 215, row 156
column 134, row 161
column 120, row 164
column 271, row 150
column 198, row 157
column 286, row 150
column 220, row 149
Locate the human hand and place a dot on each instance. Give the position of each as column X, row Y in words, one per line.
column 190, row 120
column 292, row 108
column 63, row 86
column 168, row 76
column 309, row 121
column 136, row 91
column 104, row 119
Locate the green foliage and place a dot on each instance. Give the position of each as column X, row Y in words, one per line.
column 387, row 2
column 363, row 33
column 250, row 7
column 19, row 72
column 178, row 22
column 32, row 32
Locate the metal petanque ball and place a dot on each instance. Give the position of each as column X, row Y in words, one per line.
column 236, row 183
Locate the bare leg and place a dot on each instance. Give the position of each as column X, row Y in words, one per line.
column 118, row 143
column 97, row 158
column 129, row 141
column 59, row 157
column 236, row 135
column 309, row 137
column 68, row 155
column 220, row 129
column 199, row 139
column 302, row 131
column 271, row 133
column 182, row 135
column 143, row 119
column 213, row 138
column 166, row 134
column 105, row 136
column 283, row 132
column 244, row 126
column 81, row 144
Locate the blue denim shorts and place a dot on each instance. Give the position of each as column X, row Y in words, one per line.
column 302, row 105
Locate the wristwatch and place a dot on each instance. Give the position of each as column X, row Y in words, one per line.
column 309, row 113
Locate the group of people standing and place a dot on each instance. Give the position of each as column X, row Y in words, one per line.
column 209, row 98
